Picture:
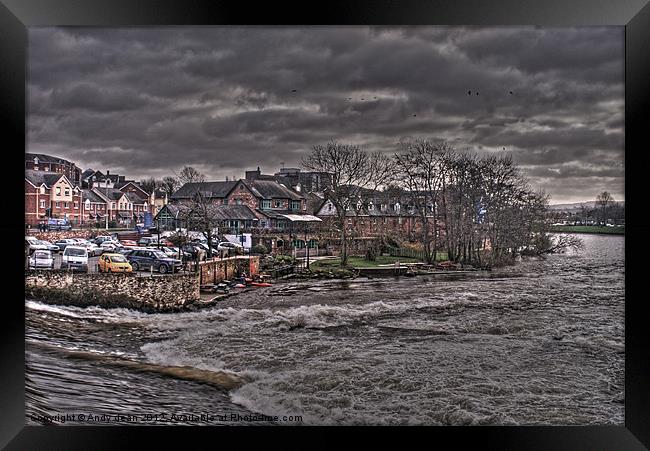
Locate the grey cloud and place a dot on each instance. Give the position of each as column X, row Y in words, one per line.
column 221, row 97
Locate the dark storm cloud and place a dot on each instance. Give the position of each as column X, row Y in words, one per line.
column 225, row 99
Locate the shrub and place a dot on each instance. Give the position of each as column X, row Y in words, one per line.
column 259, row 249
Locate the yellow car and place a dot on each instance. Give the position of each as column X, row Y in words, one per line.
column 114, row 263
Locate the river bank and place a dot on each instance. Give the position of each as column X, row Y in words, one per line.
column 589, row 230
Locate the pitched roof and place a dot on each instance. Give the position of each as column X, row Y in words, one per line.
column 271, row 189
column 38, row 178
column 214, row 189
column 221, row 212
column 87, row 173
column 110, row 193
column 43, row 158
column 92, row 196
column 225, row 212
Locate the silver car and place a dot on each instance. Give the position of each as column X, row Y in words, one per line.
column 41, row 259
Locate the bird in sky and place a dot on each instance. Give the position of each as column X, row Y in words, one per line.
column 294, row 90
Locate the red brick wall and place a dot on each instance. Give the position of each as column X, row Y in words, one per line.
column 244, row 195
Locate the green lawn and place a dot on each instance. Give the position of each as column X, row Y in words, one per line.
column 360, row 262
column 589, row 229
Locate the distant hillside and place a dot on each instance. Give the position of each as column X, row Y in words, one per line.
column 576, row 206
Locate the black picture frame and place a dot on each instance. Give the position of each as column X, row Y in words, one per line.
column 16, row 15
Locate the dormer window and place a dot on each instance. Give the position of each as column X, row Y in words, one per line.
column 371, row 206
column 36, row 161
column 396, row 207
column 42, row 190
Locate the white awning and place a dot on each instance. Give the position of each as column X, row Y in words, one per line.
column 302, row 218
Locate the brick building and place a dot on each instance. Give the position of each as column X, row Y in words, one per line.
column 51, row 195
column 269, row 200
column 379, row 214
column 47, row 163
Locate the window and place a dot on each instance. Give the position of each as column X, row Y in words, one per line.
column 266, row 204
column 42, row 190
column 113, row 205
column 76, row 206
column 42, row 203
column 238, row 201
column 277, row 203
column 262, row 223
column 295, row 205
column 225, row 201
column 67, row 191
column 65, row 205
column 58, row 190
column 57, row 204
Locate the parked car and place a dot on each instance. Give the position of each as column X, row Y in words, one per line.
column 110, row 262
column 50, row 246
column 175, row 252
column 111, row 246
column 93, row 249
column 41, row 259
column 148, row 258
column 102, row 238
column 62, row 244
column 33, row 244
column 58, row 224
column 190, row 250
column 128, row 243
column 228, row 246
column 147, row 240
column 75, row 257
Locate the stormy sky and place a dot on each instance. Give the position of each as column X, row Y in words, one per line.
column 146, row 101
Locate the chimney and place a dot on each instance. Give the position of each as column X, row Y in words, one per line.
column 108, row 173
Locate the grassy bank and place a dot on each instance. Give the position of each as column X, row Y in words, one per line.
column 589, row 229
column 360, row 262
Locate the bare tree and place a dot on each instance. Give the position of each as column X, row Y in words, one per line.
column 353, row 170
column 603, row 201
column 149, row 185
column 421, row 171
column 169, row 185
column 200, row 210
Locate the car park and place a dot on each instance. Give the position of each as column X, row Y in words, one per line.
column 75, row 257
column 41, row 259
column 112, row 262
column 153, row 259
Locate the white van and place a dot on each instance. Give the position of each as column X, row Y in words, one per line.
column 75, row 258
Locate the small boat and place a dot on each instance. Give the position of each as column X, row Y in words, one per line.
column 261, row 284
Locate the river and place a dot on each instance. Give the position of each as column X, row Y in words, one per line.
column 537, row 343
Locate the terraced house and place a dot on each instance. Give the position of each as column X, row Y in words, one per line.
column 51, row 194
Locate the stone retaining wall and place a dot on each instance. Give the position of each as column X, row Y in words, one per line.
column 217, row 270
column 150, row 294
